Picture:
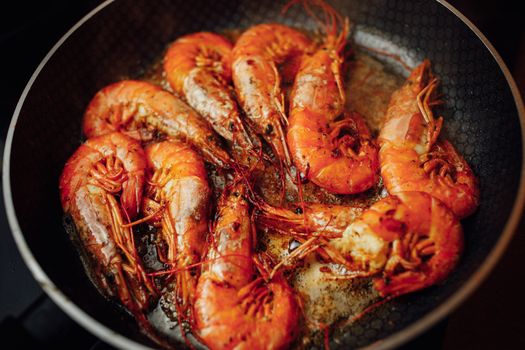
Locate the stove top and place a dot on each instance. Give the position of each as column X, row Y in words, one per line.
column 29, row 319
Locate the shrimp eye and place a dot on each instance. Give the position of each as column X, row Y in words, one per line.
column 269, row 129
column 236, row 225
column 304, row 176
column 298, row 210
column 231, row 126
column 68, row 220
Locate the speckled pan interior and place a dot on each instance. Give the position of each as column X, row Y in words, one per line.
column 126, row 36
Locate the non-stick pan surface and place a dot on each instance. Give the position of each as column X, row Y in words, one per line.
column 120, row 39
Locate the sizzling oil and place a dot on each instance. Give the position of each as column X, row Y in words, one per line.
column 325, row 300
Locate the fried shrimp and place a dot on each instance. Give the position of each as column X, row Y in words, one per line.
column 411, row 155
column 143, row 110
column 257, row 55
column 330, row 147
column 235, row 308
column 198, row 67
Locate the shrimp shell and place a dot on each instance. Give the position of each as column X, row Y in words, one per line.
column 141, row 110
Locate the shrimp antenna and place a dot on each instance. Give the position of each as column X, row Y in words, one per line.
column 393, row 56
column 335, row 27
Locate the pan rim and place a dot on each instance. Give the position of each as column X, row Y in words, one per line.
column 67, row 305
column 121, row 341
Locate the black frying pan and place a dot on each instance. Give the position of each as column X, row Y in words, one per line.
column 120, row 39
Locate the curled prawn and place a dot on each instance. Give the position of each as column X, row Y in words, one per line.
column 257, row 54
column 413, row 159
column 198, row 67
column 177, row 200
column 331, row 148
column 407, row 242
column 100, row 188
column 142, row 110
column 234, row 309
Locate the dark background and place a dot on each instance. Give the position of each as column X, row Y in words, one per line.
column 494, row 316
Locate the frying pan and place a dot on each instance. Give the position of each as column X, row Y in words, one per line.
column 484, row 118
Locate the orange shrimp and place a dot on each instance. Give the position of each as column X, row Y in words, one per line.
column 177, row 198
column 198, row 67
column 331, row 148
column 101, row 170
column 411, row 156
column 141, row 110
column 233, row 308
column 256, row 56
column 408, row 242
